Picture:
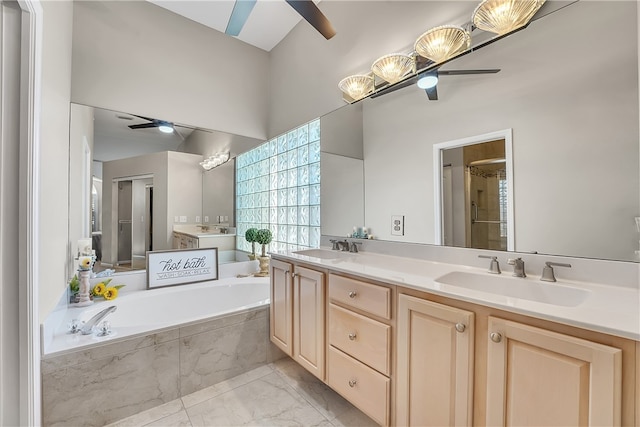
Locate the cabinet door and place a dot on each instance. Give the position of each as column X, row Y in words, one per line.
column 536, row 377
column 435, row 364
column 280, row 309
column 309, row 320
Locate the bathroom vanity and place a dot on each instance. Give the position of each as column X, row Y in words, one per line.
column 192, row 237
column 408, row 343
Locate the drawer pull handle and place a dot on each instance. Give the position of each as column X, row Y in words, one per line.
column 352, row 336
column 461, row 327
column 352, row 294
column 352, row 383
column 495, row 336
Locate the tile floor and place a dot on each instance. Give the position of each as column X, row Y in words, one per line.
column 279, row 394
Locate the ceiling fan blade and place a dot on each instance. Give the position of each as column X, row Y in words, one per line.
column 241, row 11
column 309, row 11
column 395, row 87
column 432, row 93
column 144, row 126
column 463, row 72
column 144, row 118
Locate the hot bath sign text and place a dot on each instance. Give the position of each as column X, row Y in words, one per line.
column 167, row 268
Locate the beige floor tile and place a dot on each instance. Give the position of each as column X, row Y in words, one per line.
column 265, row 401
column 150, row 415
column 181, row 419
column 225, row 386
column 353, row 418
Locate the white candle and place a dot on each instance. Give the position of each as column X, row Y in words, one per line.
column 84, row 246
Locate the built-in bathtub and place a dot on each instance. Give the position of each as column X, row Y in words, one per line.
column 165, row 343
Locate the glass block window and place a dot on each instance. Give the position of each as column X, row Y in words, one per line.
column 278, row 187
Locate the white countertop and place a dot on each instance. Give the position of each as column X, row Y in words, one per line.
column 608, row 309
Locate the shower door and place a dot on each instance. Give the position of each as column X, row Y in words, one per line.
column 124, row 221
column 486, row 192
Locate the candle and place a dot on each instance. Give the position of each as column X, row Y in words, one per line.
column 84, row 246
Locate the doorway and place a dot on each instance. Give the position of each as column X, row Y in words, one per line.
column 134, row 222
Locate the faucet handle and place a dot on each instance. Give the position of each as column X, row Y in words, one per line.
column 494, row 267
column 518, row 266
column 354, row 247
column 547, row 271
column 334, row 246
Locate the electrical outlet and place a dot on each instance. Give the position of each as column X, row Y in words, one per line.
column 206, row 219
column 183, row 218
column 176, row 219
column 397, row 225
column 197, row 218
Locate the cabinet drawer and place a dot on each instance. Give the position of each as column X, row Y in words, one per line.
column 365, row 339
column 364, row 296
column 361, row 385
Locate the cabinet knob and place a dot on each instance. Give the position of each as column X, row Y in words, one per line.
column 286, row 272
column 352, row 294
column 495, row 336
column 352, row 336
column 293, row 276
column 352, row 383
column 461, row 327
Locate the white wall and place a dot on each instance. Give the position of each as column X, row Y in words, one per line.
column 218, row 193
column 136, row 57
column 54, row 152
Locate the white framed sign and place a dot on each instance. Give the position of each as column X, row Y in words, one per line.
column 179, row 267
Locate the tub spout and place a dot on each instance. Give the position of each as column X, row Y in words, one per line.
column 88, row 326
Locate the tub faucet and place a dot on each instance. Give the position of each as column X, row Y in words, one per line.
column 88, row 326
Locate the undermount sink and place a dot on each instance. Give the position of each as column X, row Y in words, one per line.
column 324, row 253
column 548, row 293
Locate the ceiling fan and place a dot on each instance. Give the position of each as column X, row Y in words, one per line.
column 162, row 125
column 428, row 80
column 306, row 8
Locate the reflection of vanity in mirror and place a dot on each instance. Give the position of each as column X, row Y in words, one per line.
column 574, row 156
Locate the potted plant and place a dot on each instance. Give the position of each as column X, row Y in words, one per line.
column 264, row 237
column 251, row 235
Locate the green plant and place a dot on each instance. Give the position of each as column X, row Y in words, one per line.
column 251, row 235
column 264, row 237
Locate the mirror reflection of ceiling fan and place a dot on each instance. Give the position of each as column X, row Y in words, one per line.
column 162, row 125
column 306, row 8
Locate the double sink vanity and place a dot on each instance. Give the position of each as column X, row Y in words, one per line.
column 415, row 342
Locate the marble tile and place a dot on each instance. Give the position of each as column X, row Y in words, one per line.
column 214, row 356
column 112, row 388
column 224, row 321
column 55, row 362
column 225, row 386
column 319, row 395
column 266, row 401
column 151, row 415
column 353, row 418
column 181, row 419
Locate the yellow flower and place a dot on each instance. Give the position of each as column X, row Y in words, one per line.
column 85, row 263
column 110, row 293
column 99, row 289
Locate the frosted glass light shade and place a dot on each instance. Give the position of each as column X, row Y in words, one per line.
column 357, row 86
column 441, row 43
column 503, row 16
column 393, row 67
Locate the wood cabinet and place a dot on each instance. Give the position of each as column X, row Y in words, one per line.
column 435, row 349
column 297, row 314
column 538, row 377
column 360, row 345
column 281, row 307
column 309, row 320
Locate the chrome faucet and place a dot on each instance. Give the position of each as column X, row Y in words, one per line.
column 547, row 271
column 344, row 245
column 494, row 267
column 518, row 267
column 353, row 247
column 87, row 328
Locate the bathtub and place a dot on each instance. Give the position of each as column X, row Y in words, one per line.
column 143, row 312
column 166, row 343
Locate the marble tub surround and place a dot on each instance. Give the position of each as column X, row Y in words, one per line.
column 109, row 382
column 612, row 305
column 280, row 393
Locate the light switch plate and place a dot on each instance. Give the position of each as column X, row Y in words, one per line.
column 397, row 225
column 176, row 219
column 206, row 218
column 197, row 218
column 183, row 218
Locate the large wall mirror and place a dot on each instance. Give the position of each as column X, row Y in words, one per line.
column 570, row 96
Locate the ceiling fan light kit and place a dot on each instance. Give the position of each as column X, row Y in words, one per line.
column 437, row 46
